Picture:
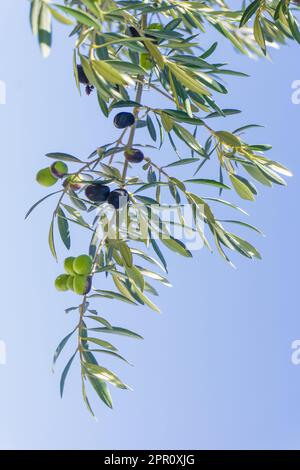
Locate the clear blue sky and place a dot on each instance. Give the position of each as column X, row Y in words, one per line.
column 214, row 371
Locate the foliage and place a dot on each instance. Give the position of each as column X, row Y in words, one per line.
column 122, row 48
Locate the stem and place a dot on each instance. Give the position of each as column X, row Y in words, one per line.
column 118, row 142
column 138, row 97
column 133, row 128
column 83, row 304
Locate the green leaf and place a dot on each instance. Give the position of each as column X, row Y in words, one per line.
column 209, row 51
column 257, row 174
column 249, row 11
column 135, row 275
column 225, row 112
column 125, row 104
column 65, row 157
column 122, row 288
column 126, row 67
column 60, row 18
column 110, row 353
column 105, row 374
column 183, row 161
column 242, row 186
column 126, row 254
column 92, row 6
column 181, row 116
column 259, row 34
column 153, row 275
column 243, row 224
column 45, row 30
column 101, row 320
column 100, row 342
column 228, row 139
column 35, row 9
column 148, row 258
column 99, row 385
column 245, row 246
column 177, row 246
column 151, row 128
column 51, row 240
column 111, row 295
column 63, row 227
column 187, row 79
column 159, row 253
column 188, row 138
column 109, row 73
column 166, row 121
column 101, row 389
column 79, row 15
column 146, row 300
column 85, row 398
column 226, row 203
column 61, row 346
column 65, row 374
column 117, row 331
column 39, row 202
column 215, row 183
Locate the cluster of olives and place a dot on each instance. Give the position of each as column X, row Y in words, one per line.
column 49, row 176
column 97, row 192
column 77, row 275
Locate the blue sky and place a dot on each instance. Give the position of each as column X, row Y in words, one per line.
column 214, row 370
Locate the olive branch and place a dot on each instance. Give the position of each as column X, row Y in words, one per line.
column 122, row 49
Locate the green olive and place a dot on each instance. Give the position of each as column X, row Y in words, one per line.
column 45, row 177
column 61, row 282
column 83, row 265
column 82, row 284
column 146, row 61
column 70, row 283
column 68, row 265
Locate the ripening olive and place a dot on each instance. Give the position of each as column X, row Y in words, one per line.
column 82, row 284
column 134, row 156
column 97, row 192
column 68, row 265
column 118, row 198
column 59, row 169
column 83, row 264
column 45, row 177
column 73, row 182
column 61, row 282
column 123, row 119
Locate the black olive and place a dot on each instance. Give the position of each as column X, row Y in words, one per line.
column 118, row 198
column 97, row 192
column 122, row 120
column 134, row 155
column 82, row 76
column 133, row 32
